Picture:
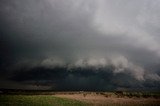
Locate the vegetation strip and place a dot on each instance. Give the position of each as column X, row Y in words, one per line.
column 37, row 100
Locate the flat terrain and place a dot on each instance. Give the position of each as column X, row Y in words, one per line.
column 37, row 100
column 110, row 99
column 81, row 98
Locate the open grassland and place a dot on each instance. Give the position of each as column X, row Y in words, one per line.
column 114, row 99
column 79, row 98
column 37, row 100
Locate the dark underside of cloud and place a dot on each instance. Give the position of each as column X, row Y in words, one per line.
column 80, row 45
column 87, row 79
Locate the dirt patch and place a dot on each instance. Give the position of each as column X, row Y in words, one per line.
column 108, row 99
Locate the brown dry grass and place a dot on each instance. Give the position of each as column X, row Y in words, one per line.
column 110, row 99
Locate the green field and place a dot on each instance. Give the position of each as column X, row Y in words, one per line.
column 37, row 100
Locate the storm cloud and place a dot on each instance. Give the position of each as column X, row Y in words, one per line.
column 77, row 45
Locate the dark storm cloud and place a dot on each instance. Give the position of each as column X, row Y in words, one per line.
column 79, row 34
column 82, row 79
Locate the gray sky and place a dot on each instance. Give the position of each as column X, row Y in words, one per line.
column 92, row 35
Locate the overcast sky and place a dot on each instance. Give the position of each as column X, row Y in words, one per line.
column 77, row 44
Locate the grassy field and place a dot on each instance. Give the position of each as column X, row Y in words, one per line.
column 114, row 99
column 37, row 100
column 81, row 98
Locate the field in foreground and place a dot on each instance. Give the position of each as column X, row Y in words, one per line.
column 79, row 99
column 112, row 99
column 37, row 100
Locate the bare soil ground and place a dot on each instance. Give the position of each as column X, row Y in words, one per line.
column 110, row 99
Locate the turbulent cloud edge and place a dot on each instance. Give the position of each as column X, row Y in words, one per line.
column 120, row 64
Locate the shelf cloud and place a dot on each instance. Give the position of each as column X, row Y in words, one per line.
column 76, row 45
